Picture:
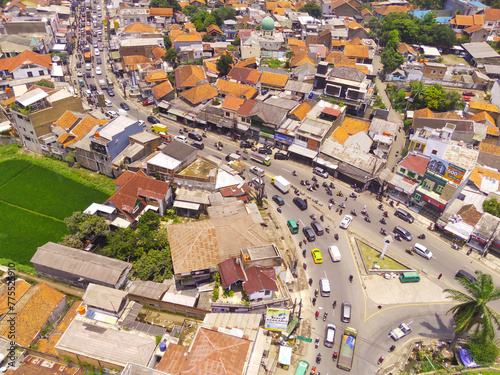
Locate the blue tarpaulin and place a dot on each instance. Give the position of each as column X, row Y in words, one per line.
column 467, row 359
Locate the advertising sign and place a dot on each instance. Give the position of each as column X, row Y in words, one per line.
column 448, row 170
column 277, row 319
column 283, row 138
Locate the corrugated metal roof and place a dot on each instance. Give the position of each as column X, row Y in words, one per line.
column 105, row 298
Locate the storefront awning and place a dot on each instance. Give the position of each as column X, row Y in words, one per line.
column 190, row 117
column 285, row 355
column 403, row 184
column 187, row 205
column 242, row 127
column 200, row 121
column 176, row 112
column 308, row 153
column 460, row 229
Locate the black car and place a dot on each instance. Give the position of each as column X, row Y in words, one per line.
column 111, row 92
column 195, row 136
column 280, row 156
column 300, row 203
column 309, row 233
column 265, row 150
column 98, row 60
column 198, row 145
column 465, row 274
column 89, row 75
column 153, row 120
column 279, row 201
column 125, row 106
column 318, row 229
column 246, row 144
column 93, row 87
column 78, row 65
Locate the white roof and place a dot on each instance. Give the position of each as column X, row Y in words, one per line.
column 32, row 97
column 94, row 207
column 179, row 299
column 164, row 161
column 120, row 223
column 430, row 51
column 59, row 95
column 225, row 179
column 116, row 126
column 20, row 90
column 5, row 125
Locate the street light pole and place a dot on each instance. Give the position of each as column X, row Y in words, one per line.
column 387, row 242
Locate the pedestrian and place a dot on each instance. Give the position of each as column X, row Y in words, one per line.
column 440, row 276
column 470, row 251
column 346, row 199
column 380, row 306
column 330, row 206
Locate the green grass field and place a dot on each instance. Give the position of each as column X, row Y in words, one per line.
column 34, row 201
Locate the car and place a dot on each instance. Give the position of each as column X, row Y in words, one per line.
column 404, row 215
column 87, row 93
column 265, row 151
column 468, row 93
column 98, row 61
column 101, row 48
column 309, row 233
column 154, row 120
column 346, row 221
column 256, row 170
column 93, row 87
column 324, row 287
column 142, row 123
column 88, row 23
column 300, row 203
column 280, row 156
column 99, row 92
column 94, row 33
column 111, row 114
column 198, row 145
column 95, row 45
column 279, row 201
column 464, row 274
column 124, row 106
column 147, row 102
column 98, row 70
column 403, row 233
column 88, row 75
column 466, row 98
column 195, row 136
column 99, row 39
column 330, row 335
column 345, row 313
column 99, row 32
column 317, row 257
column 98, row 7
column 320, row 172
column 78, row 65
column 246, row 144
column 257, row 182
column 108, row 103
column 79, row 73
column 422, row 251
column 317, row 228
column 181, row 138
column 111, row 92
column 400, row 331
column 96, row 52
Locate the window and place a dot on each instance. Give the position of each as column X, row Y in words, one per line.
column 434, row 71
column 434, row 152
column 428, row 185
column 439, row 189
column 41, row 73
column 417, row 197
column 441, row 72
column 228, row 114
column 267, row 292
column 402, row 170
column 30, row 74
column 411, row 174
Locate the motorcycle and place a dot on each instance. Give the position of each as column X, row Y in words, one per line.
column 302, row 182
column 363, row 212
column 380, row 360
column 244, row 157
column 391, row 203
column 325, row 315
column 317, row 314
column 325, row 184
column 322, row 218
column 354, row 213
column 352, row 195
column 318, row 358
column 385, row 214
column 342, row 205
column 335, row 355
column 308, row 183
column 204, row 135
column 316, row 293
column 383, row 232
column 336, row 236
column 380, row 207
column 391, row 349
column 310, row 281
column 314, row 301
column 409, row 251
column 332, row 186
column 339, row 194
column 181, row 132
column 334, row 304
column 279, row 209
column 316, row 342
column 421, row 237
column 454, row 246
column 397, row 237
column 220, row 144
column 293, row 173
column 329, row 192
column 313, row 216
column 314, row 178
column 327, row 229
column 382, row 221
column 367, row 219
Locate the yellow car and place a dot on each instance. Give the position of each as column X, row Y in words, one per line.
column 316, row 253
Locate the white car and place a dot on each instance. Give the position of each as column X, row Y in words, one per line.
column 256, row 170
column 181, row 138
column 108, row 103
column 320, row 172
column 96, row 52
column 111, row 114
column 98, row 71
column 346, row 221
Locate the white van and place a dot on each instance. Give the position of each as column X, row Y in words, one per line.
column 422, row 251
column 334, row 253
column 88, row 67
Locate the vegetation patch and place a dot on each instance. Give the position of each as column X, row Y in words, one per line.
column 371, row 258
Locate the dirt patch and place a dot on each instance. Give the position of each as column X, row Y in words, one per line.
column 454, row 60
column 200, row 168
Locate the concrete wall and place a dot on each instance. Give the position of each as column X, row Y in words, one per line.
column 19, row 73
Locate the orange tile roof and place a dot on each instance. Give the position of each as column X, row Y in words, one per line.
column 337, row 57
column 478, row 19
column 188, row 38
column 284, row 4
column 492, row 14
column 405, row 48
column 354, row 25
column 156, row 77
column 355, row 42
column 299, row 59
column 67, row 120
column 489, row 148
column 359, row 67
column 139, row 28
column 385, row 10
column 356, row 52
column 338, row 43
column 238, row 90
column 473, row 29
column 296, row 42
column 130, row 62
column 483, row 116
column 424, row 112
column 349, row 127
column 199, row 93
column 271, row 5
column 188, row 76
column 250, row 61
column 279, row 11
column 461, row 20
column 173, row 359
column 162, row 89
column 301, row 111
column 174, row 33
column 33, row 312
column 366, row 11
column 80, row 130
column 209, row 65
column 26, row 57
column 483, row 106
column 273, row 79
column 20, row 287
column 448, row 115
column 479, row 173
column 214, row 28
column 232, row 103
column 8, row 101
column 492, row 130
column 298, row 49
column 158, row 53
column 161, row 12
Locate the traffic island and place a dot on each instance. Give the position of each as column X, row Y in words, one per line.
column 372, row 261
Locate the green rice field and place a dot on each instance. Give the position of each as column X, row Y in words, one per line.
column 34, row 202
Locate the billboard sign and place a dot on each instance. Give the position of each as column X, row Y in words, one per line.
column 277, row 319
column 446, row 169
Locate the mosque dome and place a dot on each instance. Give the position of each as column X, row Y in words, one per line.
column 268, row 24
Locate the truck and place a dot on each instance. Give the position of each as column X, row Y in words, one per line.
column 281, row 184
column 233, row 156
column 237, row 166
column 400, row 331
column 346, row 353
column 260, row 158
column 102, row 84
column 161, row 130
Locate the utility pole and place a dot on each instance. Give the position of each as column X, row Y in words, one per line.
column 387, row 242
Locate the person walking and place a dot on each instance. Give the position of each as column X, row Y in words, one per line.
column 440, row 275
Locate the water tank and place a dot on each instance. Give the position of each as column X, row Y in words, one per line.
column 163, row 346
column 56, row 58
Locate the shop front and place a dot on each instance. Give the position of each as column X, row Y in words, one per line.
column 266, row 138
column 282, row 141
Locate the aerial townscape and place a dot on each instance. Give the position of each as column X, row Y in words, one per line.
column 249, row 187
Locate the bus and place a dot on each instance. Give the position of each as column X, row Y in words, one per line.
column 292, row 225
column 302, row 368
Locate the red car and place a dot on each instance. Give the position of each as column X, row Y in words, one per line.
column 147, row 102
column 468, row 93
column 466, row 98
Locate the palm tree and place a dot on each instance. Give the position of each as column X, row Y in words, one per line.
column 417, row 90
column 472, row 311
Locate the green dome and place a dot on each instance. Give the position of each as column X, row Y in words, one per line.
column 268, row 23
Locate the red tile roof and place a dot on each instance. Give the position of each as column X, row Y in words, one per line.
column 260, row 278
column 414, row 163
column 26, row 57
column 173, row 359
column 331, row 111
column 230, row 272
column 246, row 108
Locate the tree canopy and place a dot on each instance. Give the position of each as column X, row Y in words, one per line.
column 312, row 9
column 390, row 57
column 171, row 56
column 224, row 64
column 412, row 30
column 472, row 312
column 83, row 225
column 165, row 4
column 167, row 41
column 492, row 206
column 202, row 19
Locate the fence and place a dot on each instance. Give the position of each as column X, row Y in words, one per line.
column 463, row 85
column 169, row 307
